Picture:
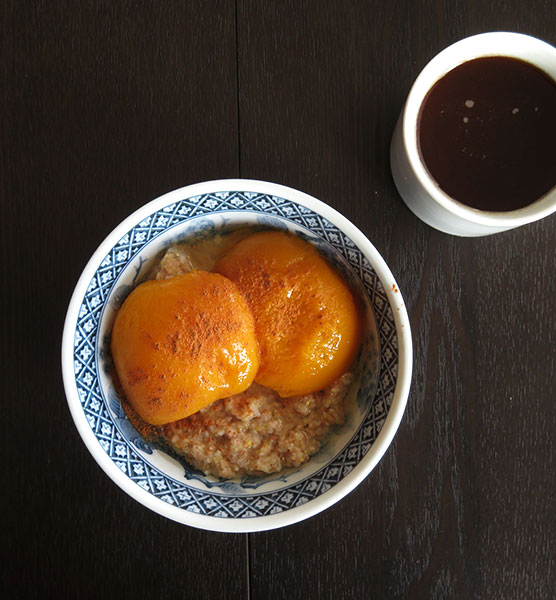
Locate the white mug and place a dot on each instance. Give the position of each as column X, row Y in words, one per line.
column 416, row 186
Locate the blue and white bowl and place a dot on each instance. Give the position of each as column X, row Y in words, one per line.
column 171, row 488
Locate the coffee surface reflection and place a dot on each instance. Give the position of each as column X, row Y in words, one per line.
column 487, row 133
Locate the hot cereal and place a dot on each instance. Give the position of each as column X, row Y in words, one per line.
column 307, row 331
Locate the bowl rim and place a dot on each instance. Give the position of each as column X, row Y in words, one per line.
column 393, row 418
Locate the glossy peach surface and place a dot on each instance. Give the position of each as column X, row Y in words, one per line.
column 307, row 322
column 179, row 344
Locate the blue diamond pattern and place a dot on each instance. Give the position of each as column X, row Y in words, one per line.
column 125, row 455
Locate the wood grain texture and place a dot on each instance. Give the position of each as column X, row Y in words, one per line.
column 108, row 105
column 462, row 504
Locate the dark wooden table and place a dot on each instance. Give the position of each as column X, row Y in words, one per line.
column 108, row 104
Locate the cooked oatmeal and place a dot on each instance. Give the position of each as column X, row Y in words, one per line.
column 255, row 431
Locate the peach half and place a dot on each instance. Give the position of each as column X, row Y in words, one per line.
column 181, row 343
column 308, row 323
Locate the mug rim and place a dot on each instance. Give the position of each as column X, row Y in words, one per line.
column 476, row 46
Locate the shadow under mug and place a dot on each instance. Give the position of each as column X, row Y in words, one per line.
column 416, row 186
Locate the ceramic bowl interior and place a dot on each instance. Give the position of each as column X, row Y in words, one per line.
column 169, row 485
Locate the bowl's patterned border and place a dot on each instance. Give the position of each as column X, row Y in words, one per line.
column 125, row 456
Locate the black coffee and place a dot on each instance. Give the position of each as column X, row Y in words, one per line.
column 487, row 133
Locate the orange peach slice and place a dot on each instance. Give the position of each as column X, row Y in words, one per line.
column 181, row 343
column 307, row 321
